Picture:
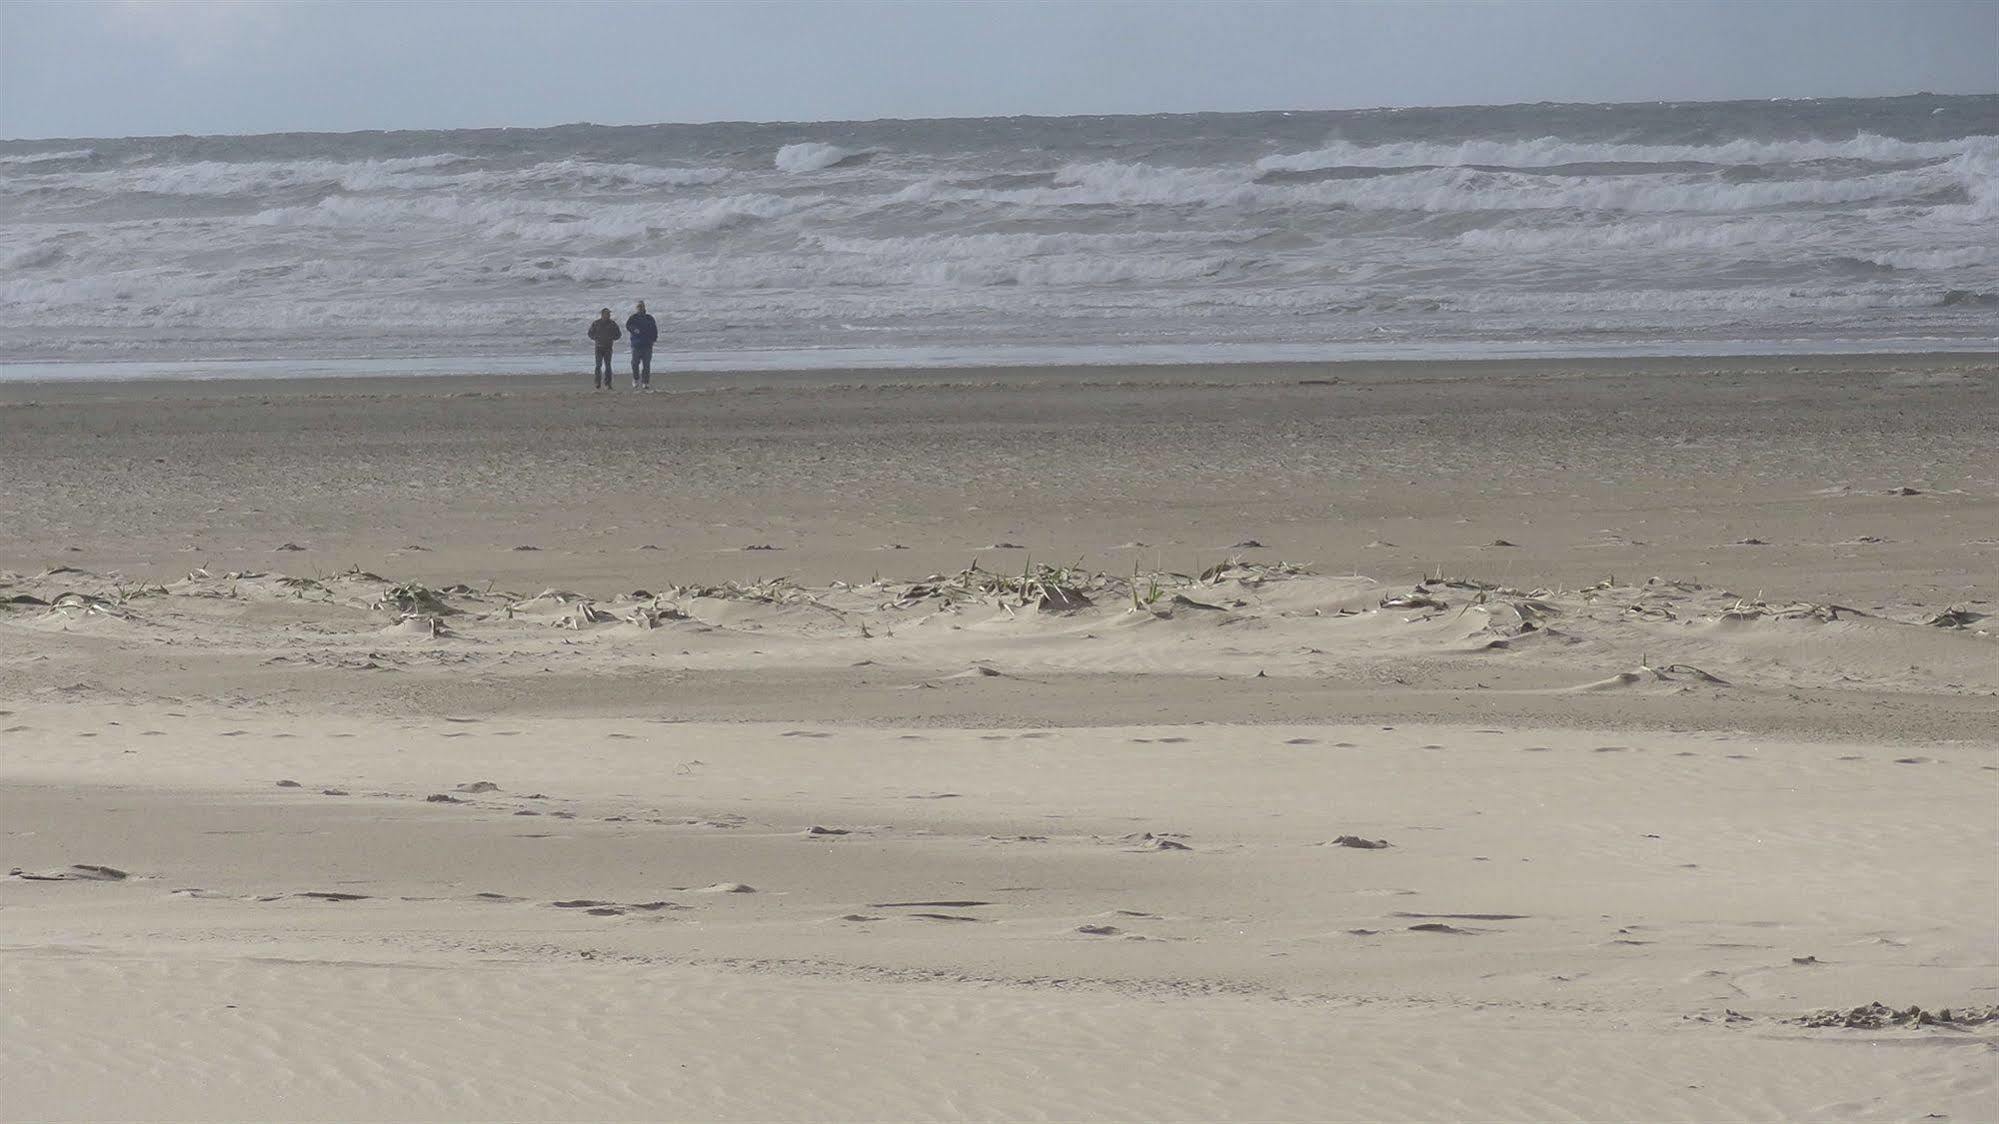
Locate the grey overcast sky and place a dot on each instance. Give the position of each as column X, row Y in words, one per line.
column 83, row 68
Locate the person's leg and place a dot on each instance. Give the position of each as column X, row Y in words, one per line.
column 642, row 366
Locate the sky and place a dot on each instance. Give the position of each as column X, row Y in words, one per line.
column 107, row 68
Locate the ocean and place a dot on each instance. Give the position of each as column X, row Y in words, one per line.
column 1687, row 228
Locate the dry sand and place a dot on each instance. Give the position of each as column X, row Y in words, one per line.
column 648, row 822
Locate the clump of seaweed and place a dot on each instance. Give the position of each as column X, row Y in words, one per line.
column 1250, row 573
column 303, row 588
column 87, row 604
column 1058, row 589
column 1876, row 1016
column 414, row 599
column 1746, row 610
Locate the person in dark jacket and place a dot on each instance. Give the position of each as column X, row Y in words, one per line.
column 603, row 332
column 644, row 330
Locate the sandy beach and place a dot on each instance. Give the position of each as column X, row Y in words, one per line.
column 1525, row 740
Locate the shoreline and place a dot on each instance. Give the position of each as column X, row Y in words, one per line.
column 861, row 362
column 1040, row 375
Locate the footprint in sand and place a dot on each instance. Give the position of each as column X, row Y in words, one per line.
column 330, row 896
column 805, row 734
column 1099, row 930
column 1301, row 741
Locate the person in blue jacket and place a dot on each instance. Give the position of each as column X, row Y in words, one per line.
column 643, row 330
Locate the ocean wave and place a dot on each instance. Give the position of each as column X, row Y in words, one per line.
column 812, row 156
column 29, row 159
column 427, row 217
column 572, row 175
column 1963, row 257
column 1009, row 246
column 1113, row 183
column 229, row 179
column 1549, row 152
column 223, row 178
column 1653, row 236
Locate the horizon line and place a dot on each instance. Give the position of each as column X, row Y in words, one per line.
column 779, row 123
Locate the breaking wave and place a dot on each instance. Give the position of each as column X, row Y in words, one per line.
column 1552, row 152
column 812, row 156
column 65, row 156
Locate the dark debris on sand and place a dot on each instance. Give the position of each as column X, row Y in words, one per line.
column 1877, row 1016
